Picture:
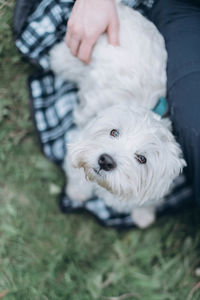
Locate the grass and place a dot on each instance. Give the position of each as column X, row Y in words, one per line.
column 47, row 255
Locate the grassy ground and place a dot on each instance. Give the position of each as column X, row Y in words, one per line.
column 47, row 255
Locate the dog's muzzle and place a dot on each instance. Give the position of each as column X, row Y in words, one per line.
column 106, row 162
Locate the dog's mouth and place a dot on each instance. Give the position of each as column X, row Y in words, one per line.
column 101, row 179
column 97, row 171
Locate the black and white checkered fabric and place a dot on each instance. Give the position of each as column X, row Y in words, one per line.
column 52, row 100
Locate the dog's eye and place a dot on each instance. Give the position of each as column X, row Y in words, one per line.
column 141, row 158
column 114, row 133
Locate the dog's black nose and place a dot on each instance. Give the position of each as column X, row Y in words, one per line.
column 106, row 162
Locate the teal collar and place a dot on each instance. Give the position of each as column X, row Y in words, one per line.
column 161, row 107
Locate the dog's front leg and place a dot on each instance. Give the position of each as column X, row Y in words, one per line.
column 143, row 216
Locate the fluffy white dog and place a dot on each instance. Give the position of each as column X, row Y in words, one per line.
column 121, row 150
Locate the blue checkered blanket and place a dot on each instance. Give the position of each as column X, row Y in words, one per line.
column 38, row 25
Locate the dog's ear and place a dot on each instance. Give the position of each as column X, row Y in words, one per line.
column 166, row 122
column 171, row 151
column 74, row 152
column 168, row 160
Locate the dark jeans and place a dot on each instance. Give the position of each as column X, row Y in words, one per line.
column 179, row 23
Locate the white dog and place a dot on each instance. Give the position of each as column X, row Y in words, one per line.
column 121, row 150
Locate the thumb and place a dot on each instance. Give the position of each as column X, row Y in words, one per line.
column 113, row 33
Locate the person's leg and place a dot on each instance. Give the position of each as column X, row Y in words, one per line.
column 179, row 22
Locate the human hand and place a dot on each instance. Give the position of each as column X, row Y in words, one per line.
column 88, row 20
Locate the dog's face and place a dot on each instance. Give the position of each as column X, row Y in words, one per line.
column 130, row 152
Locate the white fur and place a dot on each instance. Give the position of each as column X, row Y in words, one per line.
column 117, row 90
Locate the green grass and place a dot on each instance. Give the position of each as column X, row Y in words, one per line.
column 47, row 255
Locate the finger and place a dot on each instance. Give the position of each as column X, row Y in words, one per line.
column 113, row 34
column 74, row 46
column 73, row 36
column 68, row 39
column 85, row 50
column 68, row 33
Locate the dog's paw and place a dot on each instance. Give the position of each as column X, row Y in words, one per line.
column 78, row 194
column 143, row 217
